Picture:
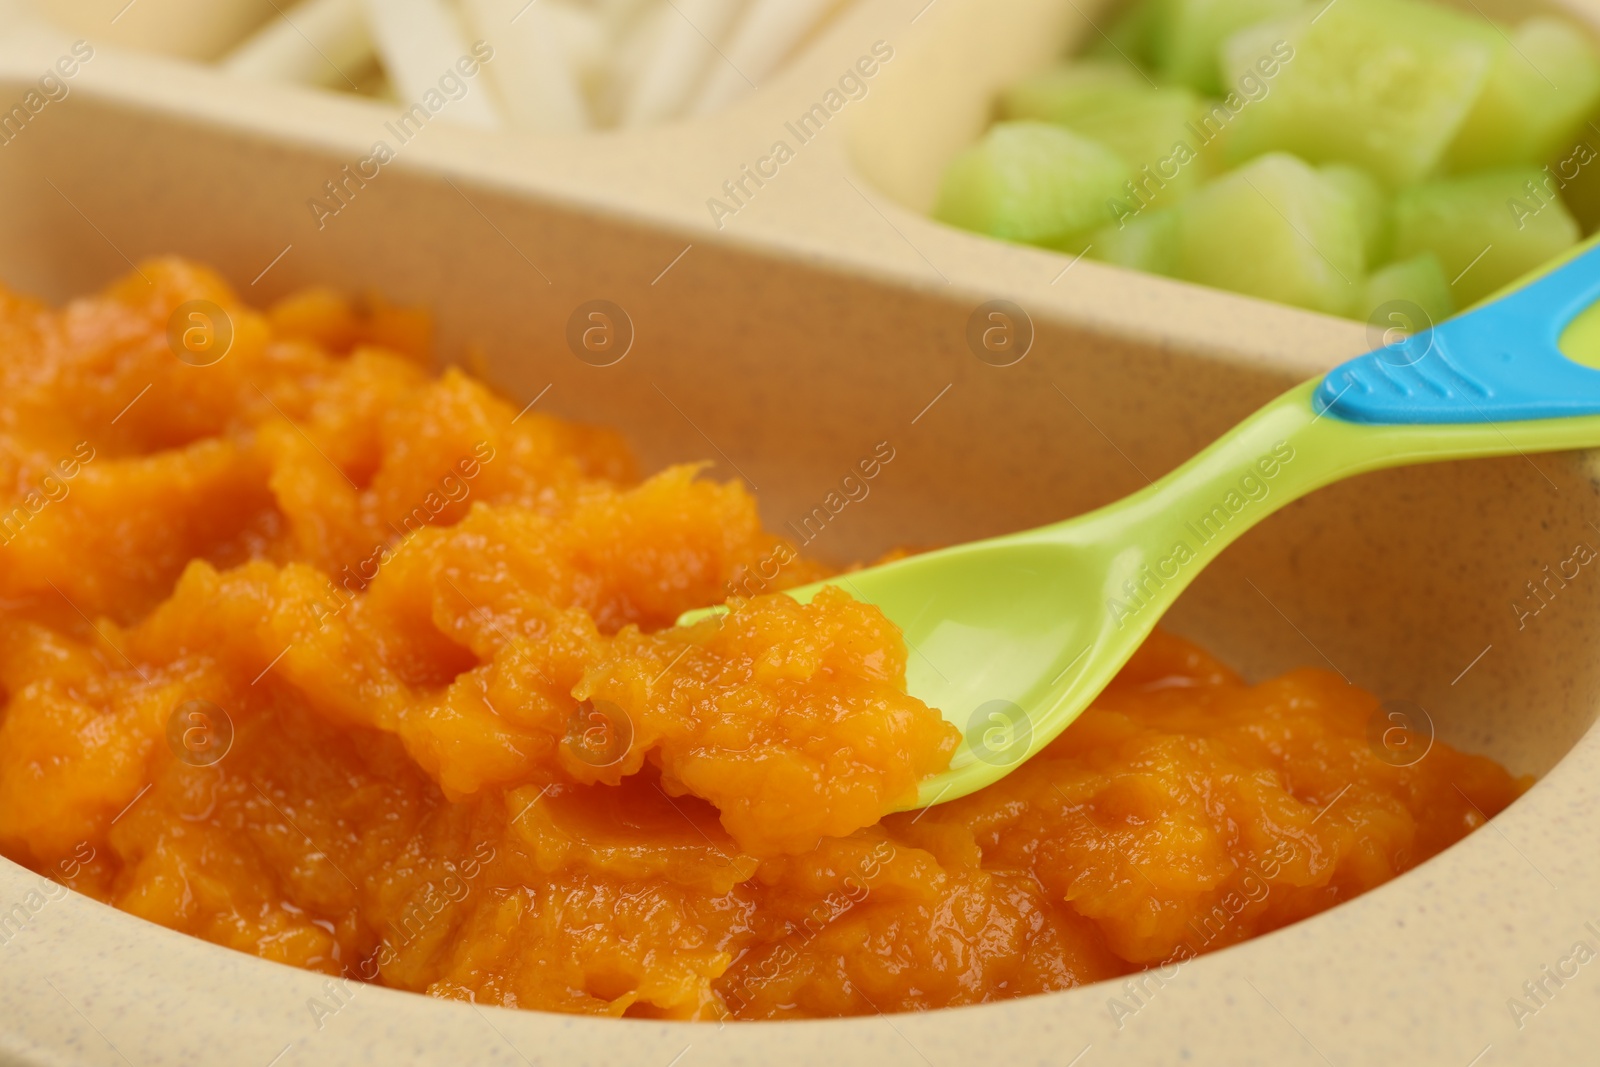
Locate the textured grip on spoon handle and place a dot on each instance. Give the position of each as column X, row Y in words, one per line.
column 1499, row 363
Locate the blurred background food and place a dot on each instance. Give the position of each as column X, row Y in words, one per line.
column 1347, row 157
column 561, row 66
column 1338, row 156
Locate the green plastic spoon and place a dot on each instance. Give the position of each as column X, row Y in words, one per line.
column 1013, row 637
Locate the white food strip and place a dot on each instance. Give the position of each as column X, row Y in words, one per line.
column 628, row 57
column 584, row 37
column 531, row 70
column 767, row 34
column 559, row 66
column 318, row 42
column 681, row 58
column 420, row 42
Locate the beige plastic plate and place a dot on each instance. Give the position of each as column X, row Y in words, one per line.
column 824, row 316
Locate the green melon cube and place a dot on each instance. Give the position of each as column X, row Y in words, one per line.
column 1148, row 127
column 1276, row 229
column 1251, row 60
column 1383, row 84
column 1148, row 243
column 1395, row 295
column 1577, row 177
column 1539, row 92
column 1372, row 204
column 1069, row 91
column 1033, row 182
column 1187, row 39
column 1488, row 229
column 1153, row 131
column 1127, row 40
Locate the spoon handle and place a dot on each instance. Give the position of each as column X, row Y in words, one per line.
column 1499, row 363
column 1492, row 382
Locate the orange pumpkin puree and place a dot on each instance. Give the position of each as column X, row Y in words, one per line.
column 312, row 654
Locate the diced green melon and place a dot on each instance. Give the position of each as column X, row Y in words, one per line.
column 1276, row 229
column 1577, row 177
column 1488, row 229
column 1033, row 182
column 1539, row 91
column 1251, row 60
column 1127, row 40
column 1148, row 242
column 1069, row 91
column 1383, row 84
column 1211, row 129
column 1372, row 204
column 1153, row 130
column 1420, row 281
column 1187, row 37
